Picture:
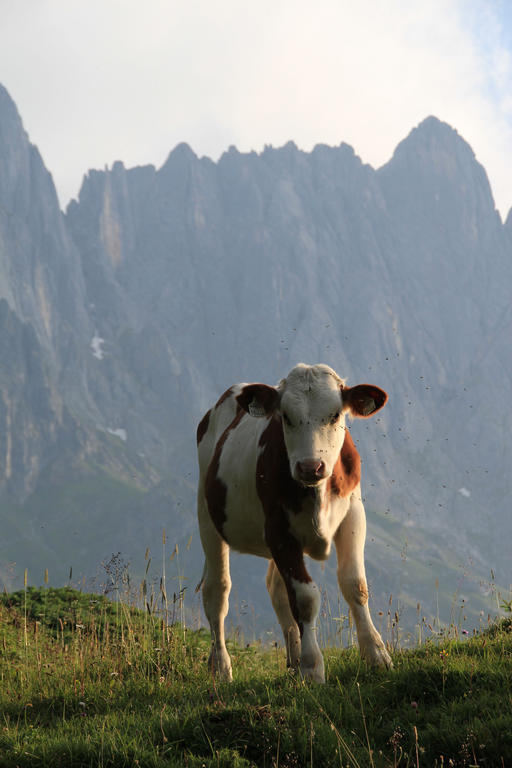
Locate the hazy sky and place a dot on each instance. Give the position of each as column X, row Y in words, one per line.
column 100, row 80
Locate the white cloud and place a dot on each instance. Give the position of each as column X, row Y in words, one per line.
column 101, row 81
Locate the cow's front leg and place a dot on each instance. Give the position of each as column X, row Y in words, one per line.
column 349, row 540
column 304, row 600
column 279, row 596
column 216, row 588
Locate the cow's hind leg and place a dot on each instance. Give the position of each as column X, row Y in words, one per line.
column 216, row 588
column 349, row 540
column 279, row 596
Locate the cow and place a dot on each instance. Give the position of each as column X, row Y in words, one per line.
column 279, row 477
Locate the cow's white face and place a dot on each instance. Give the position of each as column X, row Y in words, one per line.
column 312, row 402
column 311, row 409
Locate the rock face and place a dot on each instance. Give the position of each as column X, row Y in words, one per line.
column 41, row 312
column 124, row 318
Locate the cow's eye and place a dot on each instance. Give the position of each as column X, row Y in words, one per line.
column 335, row 418
column 286, row 420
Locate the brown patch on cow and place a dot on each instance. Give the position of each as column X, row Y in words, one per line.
column 223, row 397
column 286, row 551
column 288, row 557
column 202, row 427
column 274, row 482
column 215, row 489
column 278, row 493
column 346, row 474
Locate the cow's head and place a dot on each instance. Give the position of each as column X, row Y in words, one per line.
column 312, row 402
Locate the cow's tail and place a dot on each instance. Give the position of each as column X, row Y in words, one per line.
column 198, row 588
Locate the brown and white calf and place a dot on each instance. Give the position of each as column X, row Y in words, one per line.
column 280, row 478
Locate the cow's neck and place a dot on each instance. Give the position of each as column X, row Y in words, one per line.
column 309, row 521
column 312, row 499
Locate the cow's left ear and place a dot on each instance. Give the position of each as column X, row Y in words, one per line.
column 258, row 399
column 363, row 400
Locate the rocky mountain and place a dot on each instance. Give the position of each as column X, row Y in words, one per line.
column 123, row 318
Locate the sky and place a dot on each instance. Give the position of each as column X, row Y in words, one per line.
column 97, row 81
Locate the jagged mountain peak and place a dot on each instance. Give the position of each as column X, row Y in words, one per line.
column 432, row 125
column 290, row 148
column 441, row 166
column 433, row 136
column 182, row 153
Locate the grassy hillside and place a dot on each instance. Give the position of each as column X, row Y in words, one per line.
column 87, row 682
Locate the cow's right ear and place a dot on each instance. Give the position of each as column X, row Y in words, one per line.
column 258, row 399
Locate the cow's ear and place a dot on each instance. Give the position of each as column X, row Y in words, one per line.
column 363, row 400
column 258, row 399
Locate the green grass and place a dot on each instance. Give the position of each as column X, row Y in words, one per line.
column 86, row 682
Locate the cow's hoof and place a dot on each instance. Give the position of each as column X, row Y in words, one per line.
column 314, row 675
column 378, row 657
column 314, row 672
column 220, row 665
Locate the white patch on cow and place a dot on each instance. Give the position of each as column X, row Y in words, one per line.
column 120, row 433
column 96, row 344
column 245, row 533
column 464, row 492
column 308, row 603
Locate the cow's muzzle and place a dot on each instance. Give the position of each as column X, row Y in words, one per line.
column 310, row 471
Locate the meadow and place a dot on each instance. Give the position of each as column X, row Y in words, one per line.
column 90, row 681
